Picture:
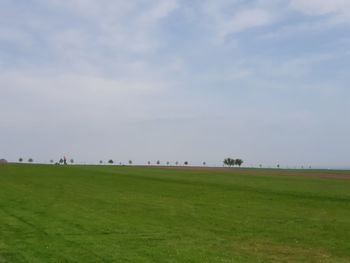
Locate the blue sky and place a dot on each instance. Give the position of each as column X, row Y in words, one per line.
column 175, row 80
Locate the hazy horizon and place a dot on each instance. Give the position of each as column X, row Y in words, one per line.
column 175, row 80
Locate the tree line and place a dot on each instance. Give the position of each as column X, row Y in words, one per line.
column 228, row 162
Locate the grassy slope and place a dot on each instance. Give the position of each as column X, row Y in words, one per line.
column 130, row 214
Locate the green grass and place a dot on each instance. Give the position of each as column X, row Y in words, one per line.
column 135, row 214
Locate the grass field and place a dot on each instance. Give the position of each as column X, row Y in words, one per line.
column 138, row 214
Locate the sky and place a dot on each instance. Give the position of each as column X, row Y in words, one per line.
column 176, row 80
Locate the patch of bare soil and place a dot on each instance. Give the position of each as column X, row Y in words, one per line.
column 308, row 173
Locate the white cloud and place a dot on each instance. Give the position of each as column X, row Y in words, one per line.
column 338, row 8
column 87, row 43
column 121, row 24
column 113, row 25
column 231, row 17
column 245, row 19
column 158, row 11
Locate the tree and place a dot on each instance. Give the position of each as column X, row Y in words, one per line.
column 130, row 162
column 204, row 163
column 185, row 163
column 101, row 161
column 20, row 159
column 51, row 161
column 110, row 161
column 177, row 163
column 61, row 161
column 30, row 160
column 71, row 161
column 239, row 162
column 149, row 163
column 278, row 166
column 229, row 162
column 158, row 162
column 260, row 165
column 167, row 163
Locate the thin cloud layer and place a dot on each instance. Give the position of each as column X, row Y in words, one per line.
column 164, row 78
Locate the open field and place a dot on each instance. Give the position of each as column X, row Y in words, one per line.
column 149, row 214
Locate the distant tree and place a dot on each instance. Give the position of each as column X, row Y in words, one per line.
column 204, row 163
column 130, row 162
column 51, row 161
column 260, row 165
column 149, row 163
column 185, row 163
column 278, row 166
column 167, row 163
column 71, row 161
column 226, row 161
column 110, row 161
column 158, row 162
column 101, row 162
column 239, row 162
column 20, row 159
column 61, row 161
column 177, row 163
column 229, row 162
column 30, row 160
